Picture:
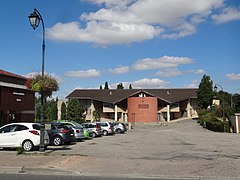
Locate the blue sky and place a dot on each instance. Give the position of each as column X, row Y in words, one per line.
column 145, row 43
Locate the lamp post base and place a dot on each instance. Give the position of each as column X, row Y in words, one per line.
column 41, row 145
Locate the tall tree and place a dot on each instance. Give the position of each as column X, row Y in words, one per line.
column 101, row 87
column 75, row 110
column 63, row 111
column 130, row 86
column 106, row 85
column 205, row 92
column 236, row 102
column 51, row 110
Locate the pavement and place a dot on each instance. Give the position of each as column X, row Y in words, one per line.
column 181, row 150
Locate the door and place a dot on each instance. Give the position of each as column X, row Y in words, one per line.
column 8, row 136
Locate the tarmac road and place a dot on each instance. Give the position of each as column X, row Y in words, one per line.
column 181, row 149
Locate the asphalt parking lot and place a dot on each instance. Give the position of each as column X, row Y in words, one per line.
column 181, row 149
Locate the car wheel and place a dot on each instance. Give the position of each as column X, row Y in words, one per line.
column 94, row 135
column 105, row 133
column 27, row 145
column 57, row 140
column 119, row 131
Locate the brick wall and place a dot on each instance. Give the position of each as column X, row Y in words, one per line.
column 142, row 109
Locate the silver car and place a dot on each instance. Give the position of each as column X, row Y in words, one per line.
column 94, row 128
column 77, row 128
column 107, row 128
column 120, row 127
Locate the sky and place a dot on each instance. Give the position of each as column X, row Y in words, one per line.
column 145, row 43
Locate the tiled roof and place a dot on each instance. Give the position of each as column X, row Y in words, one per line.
column 117, row 95
column 5, row 73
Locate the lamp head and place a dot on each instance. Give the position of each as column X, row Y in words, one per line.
column 215, row 88
column 34, row 19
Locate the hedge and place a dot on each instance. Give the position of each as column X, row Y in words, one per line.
column 212, row 123
column 218, row 126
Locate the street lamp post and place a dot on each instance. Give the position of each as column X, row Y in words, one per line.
column 35, row 18
column 215, row 89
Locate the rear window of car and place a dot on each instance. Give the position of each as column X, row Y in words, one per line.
column 36, row 126
column 60, row 126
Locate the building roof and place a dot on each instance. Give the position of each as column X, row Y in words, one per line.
column 117, row 95
column 5, row 73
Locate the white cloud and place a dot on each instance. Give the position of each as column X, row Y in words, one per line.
column 112, row 3
column 164, row 12
column 102, row 33
column 169, row 72
column 198, row 71
column 193, row 84
column 91, row 73
column 149, row 83
column 233, row 77
column 119, row 70
column 172, row 72
column 127, row 21
column 143, row 84
column 227, row 14
column 160, row 63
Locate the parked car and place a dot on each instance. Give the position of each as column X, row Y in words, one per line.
column 94, row 128
column 107, row 128
column 25, row 135
column 59, row 133
column 78, row 129
column 120, row 127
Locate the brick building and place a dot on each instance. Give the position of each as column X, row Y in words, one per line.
column 137, row 105
column 16, row 100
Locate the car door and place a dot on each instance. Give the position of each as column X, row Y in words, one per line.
column 8, row 136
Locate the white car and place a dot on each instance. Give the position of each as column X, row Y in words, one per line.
column 25, row 135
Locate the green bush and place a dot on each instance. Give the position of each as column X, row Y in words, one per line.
column 210, row 121
column 217, row 125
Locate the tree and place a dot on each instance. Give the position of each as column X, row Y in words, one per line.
column 130, row 86
column 37, row 108
column 75, row 111
column 106, row 85
column 205, row 92
column 101, row 87
column 120, row 86
column 236, row 102
column 51, row 110
column 63, row 111
column 96, row 115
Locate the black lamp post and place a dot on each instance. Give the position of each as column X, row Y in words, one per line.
column 35, row 18
column 215, row 89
